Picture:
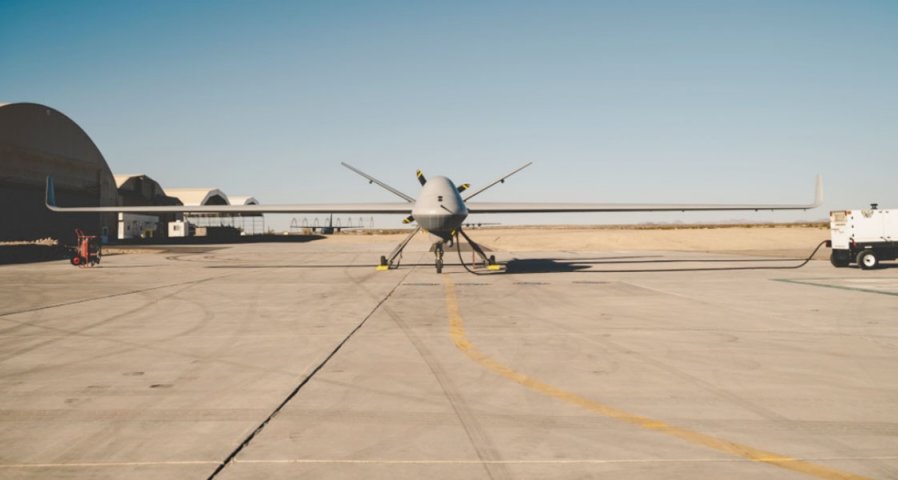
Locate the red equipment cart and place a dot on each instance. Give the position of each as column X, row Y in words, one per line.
column 88, row 250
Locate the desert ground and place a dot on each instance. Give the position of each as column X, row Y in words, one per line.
column 776, row 240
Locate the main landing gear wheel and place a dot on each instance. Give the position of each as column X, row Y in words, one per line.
column 867, row 260
column 392, row 261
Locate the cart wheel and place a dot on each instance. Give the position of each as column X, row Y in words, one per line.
column 867, row 260
column 76, row 260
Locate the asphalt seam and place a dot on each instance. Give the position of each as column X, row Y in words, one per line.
column 246, row 441
column 113, row 295
column 837, row 287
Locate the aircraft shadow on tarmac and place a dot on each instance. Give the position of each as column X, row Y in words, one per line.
column 555, row 265
column 640, row 264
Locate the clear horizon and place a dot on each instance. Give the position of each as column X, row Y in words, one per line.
column 634, row 102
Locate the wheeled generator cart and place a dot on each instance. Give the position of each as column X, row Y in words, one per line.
column 865, row 237
column 87, row 251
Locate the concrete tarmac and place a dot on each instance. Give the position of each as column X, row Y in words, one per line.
column 301, row 361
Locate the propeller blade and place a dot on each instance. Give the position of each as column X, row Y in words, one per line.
column 463, row 187
column 421, row 178
column 408, row 219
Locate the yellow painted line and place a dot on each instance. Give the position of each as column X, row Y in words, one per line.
column 457, row 332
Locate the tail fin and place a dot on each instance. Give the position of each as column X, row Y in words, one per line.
column 818, row 191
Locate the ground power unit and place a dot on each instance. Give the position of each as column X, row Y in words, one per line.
column 865, row 237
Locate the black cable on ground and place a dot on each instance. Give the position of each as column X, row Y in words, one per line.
column 460, row 259
column 806, row 260
column 712, row 269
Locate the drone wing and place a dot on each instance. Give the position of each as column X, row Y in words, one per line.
column 534, row 207
column 397, row 208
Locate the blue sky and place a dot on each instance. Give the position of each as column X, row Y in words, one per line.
column 612, row 101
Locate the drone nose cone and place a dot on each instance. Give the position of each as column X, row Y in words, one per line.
column 440, row 207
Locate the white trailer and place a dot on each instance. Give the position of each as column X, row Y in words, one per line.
column 180, row 228
column 865, row 237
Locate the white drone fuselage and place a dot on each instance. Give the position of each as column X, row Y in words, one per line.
column 439, row 209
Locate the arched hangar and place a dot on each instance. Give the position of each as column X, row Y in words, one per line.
column 37, row 141
column 250, row 223
column 140, row 189
column 199, row 196
column 214, row 196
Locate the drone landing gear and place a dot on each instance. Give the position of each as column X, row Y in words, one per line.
column 488, row 261
column 438, row 256
column 387, row 263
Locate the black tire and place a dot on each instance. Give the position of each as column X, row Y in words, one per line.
column 76, row 260
column 492, row 259
column 867, row 260
column 383, row 260
column 439, row 266
column 839, row 259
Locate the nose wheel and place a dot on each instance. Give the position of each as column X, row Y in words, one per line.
column 438, row 256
